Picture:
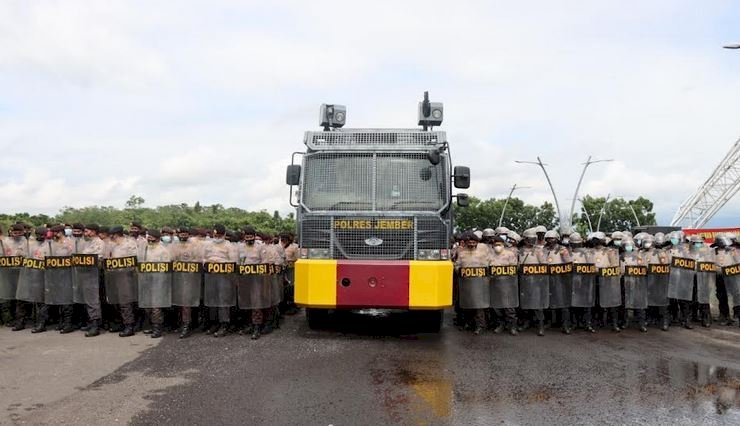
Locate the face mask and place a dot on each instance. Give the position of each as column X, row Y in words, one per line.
column 647, row 245
column 166, row 239
column 498, row 249
column 67, row 232
column 176, row 238
column 18, row 237
column 217, row 240
column 698, row 245
column 674, row 241
column 617, row 243
column 628, row 248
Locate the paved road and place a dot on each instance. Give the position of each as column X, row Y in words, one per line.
column 363, row 374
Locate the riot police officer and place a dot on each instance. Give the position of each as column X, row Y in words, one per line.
column 472, row 264
column 534, row 291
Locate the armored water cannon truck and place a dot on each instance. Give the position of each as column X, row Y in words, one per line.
column 374, row 214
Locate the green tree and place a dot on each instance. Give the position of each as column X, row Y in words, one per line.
column 617, row 214
column 518, row 215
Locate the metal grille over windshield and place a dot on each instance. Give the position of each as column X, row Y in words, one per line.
column 373, row 182
column 377, row 237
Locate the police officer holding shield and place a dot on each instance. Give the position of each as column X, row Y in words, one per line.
column 560, row 278
column 504, row 286
column 534, row 290
column 583, row 296
column 187, row 255
column 220, row 258
column 155, row 280
column 658, row 263
column 13, row 249
column 473, row 261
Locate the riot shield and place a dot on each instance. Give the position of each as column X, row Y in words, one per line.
column 155, row 284
column 534, row 287
column 276, row 284
column 10, row 269
column 681, row 278
column 186, row 283
column 657, row 284
column 561, row 285
column 706, row 281
column 474, row 287
column 635, row 287
column 584, row 283
column 58, row 280
column 610, row 287
column 31, row 281
column 255, row 286
column 121, row 280
column 731, row 275
column 504, row 287
column 220, row 285
column 85, row 279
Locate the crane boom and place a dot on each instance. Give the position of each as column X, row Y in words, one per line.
column 716, row 191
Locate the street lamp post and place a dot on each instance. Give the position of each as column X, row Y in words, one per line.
column 588, row 217
column 506, row 203
column 549, row 182
column 578, row 186
column 601, row 213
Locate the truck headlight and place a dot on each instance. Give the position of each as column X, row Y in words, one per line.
column 429, row 254
column 319, row 253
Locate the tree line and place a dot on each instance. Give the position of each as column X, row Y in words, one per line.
column 606, row 214
column 175, row 215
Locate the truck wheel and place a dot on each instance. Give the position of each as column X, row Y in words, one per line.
column 429, row 321
column 317, row 318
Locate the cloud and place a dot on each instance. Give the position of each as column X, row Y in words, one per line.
column 179, row 102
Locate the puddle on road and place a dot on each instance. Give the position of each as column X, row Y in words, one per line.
column 423, row 392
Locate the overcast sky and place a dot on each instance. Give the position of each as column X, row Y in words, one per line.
column 185, row 101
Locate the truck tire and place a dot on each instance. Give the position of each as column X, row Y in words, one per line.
column 317, row 318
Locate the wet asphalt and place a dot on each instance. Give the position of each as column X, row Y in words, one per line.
column 363, row 372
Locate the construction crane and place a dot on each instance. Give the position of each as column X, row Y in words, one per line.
column 721, row 186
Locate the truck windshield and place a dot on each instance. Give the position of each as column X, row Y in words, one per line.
column 374, row 182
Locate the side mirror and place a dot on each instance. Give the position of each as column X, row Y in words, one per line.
column 433, row 157
column 462, row 177
column 463, row 200
column 293, row 175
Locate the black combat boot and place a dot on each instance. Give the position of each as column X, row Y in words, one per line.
column 156, row 331
column 512, row 331
column 40, row 327
column 478, row 330
column 223, row 330
column 256, row 332
column 499, row 328
column 66, row 323
column 128, row 331
column 93, row 329
column 19, row 325
column 213, row 328
column 541, row 328
column 184, row 332
column 706, row 317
